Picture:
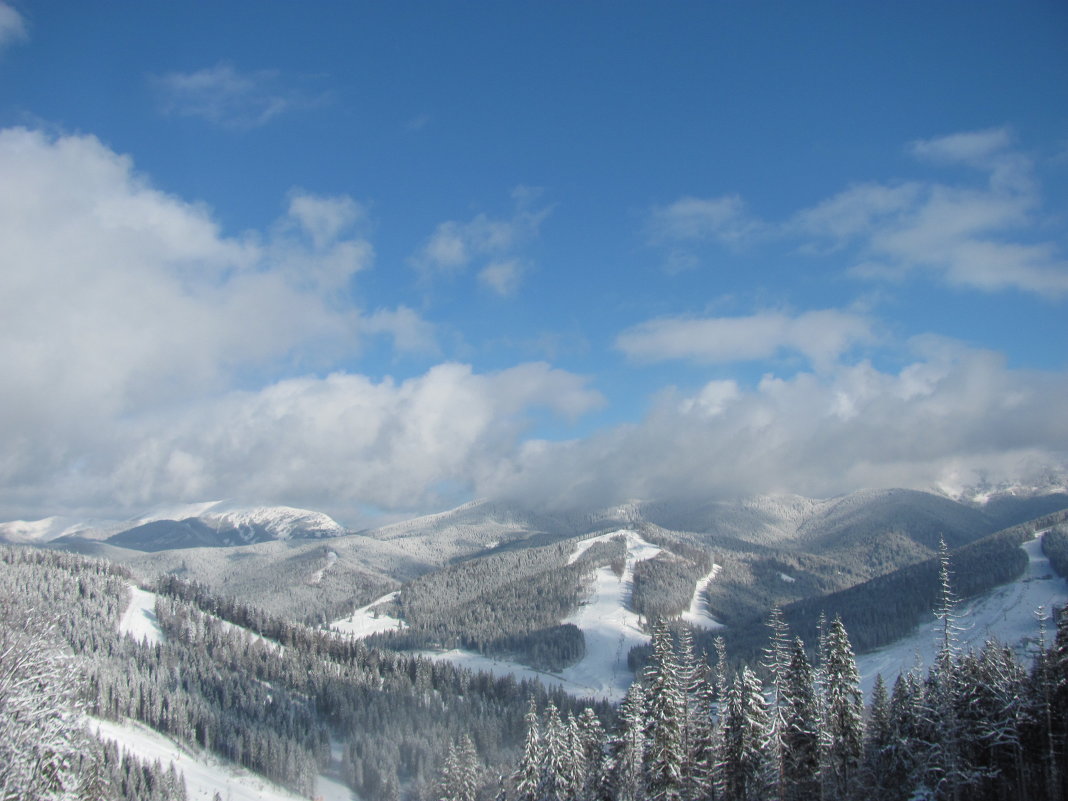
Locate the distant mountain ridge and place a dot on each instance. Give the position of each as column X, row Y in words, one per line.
column 212, row 524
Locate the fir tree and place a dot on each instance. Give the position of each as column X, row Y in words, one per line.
column 742, row 767
column 626, row 771
column 528, row 775
column 666, row 718
column 844, row 714
column 799, row 732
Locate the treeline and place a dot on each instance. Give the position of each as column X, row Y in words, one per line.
column 274, row 705
column 505, row 604
column 977, row 726
column 1055, row 548
column 888, row 607
column 664, row 585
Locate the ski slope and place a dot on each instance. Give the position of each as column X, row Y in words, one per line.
column 204, row 773
column 608, row 624
column 139, row 619
column 367, row 620
column 1006, row 613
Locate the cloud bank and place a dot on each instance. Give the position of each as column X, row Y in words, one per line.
column 151, row 358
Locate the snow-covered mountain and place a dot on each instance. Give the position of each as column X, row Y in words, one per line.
column 216, row 525
column 207, row 524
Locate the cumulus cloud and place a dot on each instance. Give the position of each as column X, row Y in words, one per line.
column 12, row 26
column 821, row 336
column 229, row 98
column 950, row 413
column 494, row 243
column 976, row 237
column 119, row 303
column 337, row 443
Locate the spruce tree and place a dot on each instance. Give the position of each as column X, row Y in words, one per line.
column 742, row 766
column 844, row 714
column 799, row 731
column 626, row 779
column 666, row 716
column 527, row 776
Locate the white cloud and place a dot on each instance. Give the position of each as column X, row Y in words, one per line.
column 224, row 96
column 119, row 303
column 952, row 412
column 132, row 333
column 821, row 336
column 12, row 26
column 502, row 277
column 694, row 219
column 681, row 227
column 410, row 332
column 337, row 443
column 977, row 237
column 493, row 243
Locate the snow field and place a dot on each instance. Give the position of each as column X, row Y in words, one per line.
column 1006, row 613
column 139, row 619
column 697, row 614
column 365, row 621
column 205, row 774
column 610, row 627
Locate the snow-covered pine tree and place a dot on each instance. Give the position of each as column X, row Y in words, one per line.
column 799, row 729
column 775, row 660
column 879, row 741
column 626, row 761
column 742, row 766
column 590, row 743
column 555, row 777
column 944, row 772
column 665, row 719
column 527, row 776
column 459, row 774
column 844, row 715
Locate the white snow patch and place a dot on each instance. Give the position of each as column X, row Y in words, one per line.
column 139, row 619
column 1006, row 613
column 366, row 621
column 786, row 578
column 698, row 614
column 611, row 629
column 204, row 773
column 331, row 560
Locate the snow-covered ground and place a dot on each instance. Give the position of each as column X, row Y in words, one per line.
column 139, row 619
column 697, row 614
column 366, row 620
column 331, row 560
column 204, row 773
column 1006, row 613
column 610, row 627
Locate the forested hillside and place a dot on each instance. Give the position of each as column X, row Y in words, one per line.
column 274, row 701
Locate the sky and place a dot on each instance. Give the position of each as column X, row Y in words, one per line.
column 379, row 259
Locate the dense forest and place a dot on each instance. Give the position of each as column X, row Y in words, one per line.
column 974, row 726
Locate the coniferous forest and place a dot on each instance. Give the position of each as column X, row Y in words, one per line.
column 289, row 701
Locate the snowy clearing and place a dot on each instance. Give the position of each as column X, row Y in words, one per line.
column 1006, row 613
column 331, row 560
column 206, row 774
column 139, row 619
column 611, row 629
column 697, row 614
column 366, row 620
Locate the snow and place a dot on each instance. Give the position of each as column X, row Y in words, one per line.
column 139, row 619
column 204, row 773
column 697, row 614
column 786, row 578
column 365, row 621
column 1006, row 613
column 610, row 627
column 331, row 560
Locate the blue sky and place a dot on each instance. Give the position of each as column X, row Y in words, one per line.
column 381, row 258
